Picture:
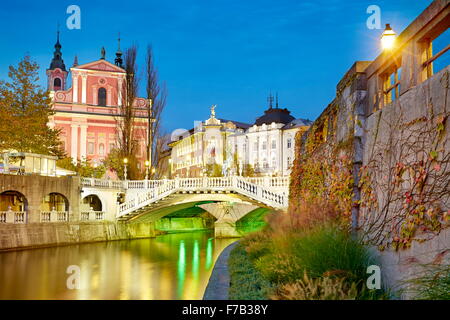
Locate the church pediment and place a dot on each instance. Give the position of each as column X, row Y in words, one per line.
column 100, row 65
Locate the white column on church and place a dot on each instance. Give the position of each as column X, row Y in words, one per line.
column 75, row 89
column 74, row 143
column 108, row 97
column 83, row 88
column 83, row 141
column 119, row 91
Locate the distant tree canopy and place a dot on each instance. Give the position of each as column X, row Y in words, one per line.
column 214, row 170
column 25, row 109
column 83, row 168
column 114, row 162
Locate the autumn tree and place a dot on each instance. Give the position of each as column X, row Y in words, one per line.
column 157, row 95
column 25, row 109
column 125, row 119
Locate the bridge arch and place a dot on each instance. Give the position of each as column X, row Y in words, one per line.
column 180, row 201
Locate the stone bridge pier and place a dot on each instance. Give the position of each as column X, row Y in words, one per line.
column 227, row 214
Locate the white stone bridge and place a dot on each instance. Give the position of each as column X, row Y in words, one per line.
column 231, row 197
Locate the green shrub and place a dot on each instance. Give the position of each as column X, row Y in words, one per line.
column 246, row 282
column 331, row 251
column 325, row 251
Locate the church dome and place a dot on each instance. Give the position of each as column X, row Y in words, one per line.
column 275, row 115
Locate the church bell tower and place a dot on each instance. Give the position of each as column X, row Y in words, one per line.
column 57, row 73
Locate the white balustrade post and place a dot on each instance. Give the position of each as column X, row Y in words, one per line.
column 266, row 182
column 259, row 192
column 9, row 215
column 53, row 215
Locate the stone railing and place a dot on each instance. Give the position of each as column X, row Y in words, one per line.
column 92, row 215
column 268, row 182
column 54, row 216
column 10, row 216
column 263, row 194
column 99, row 183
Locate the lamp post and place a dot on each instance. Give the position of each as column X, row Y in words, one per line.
column 147, row 164
column 153, row 171
column 125, row 165
column 170, row 168
column 388, row 38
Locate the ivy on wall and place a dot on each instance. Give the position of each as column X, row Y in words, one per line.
column 323, row 169
column 405, row 182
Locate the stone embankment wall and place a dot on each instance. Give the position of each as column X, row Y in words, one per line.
column 21, row 236
column 173, row 224
column 381, row 152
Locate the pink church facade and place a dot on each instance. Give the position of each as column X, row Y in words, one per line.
column 87, row 112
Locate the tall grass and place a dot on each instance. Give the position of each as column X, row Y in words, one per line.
column 323, row 251
column 303, row 252
column 432, row 284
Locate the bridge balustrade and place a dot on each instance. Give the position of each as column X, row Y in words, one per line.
column 241, row 185
column 189, row 183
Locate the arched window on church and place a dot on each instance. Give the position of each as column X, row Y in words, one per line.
column 102, row 97
column 101, row 149
column 57, row 84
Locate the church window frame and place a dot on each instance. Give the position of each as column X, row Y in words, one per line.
column 102, row 97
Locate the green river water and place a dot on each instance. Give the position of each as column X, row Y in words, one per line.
column 173, row 266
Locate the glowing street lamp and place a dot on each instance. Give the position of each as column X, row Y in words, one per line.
column 153, row 171
column 147, row 164
column 388, row 38
column 125, row 164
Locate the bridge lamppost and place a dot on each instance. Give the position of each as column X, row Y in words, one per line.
column 147, row 164
column 125, row 165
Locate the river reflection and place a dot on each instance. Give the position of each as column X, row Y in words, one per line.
column 175, row 266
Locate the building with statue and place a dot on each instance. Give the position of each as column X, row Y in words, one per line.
column 87, row 111
column 226, row 147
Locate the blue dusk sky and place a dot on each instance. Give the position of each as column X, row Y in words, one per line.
column 230, row 53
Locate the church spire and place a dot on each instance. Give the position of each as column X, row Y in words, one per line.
column 276, row 99
column 57, row 61
column 270, row 100
column 118, row 61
